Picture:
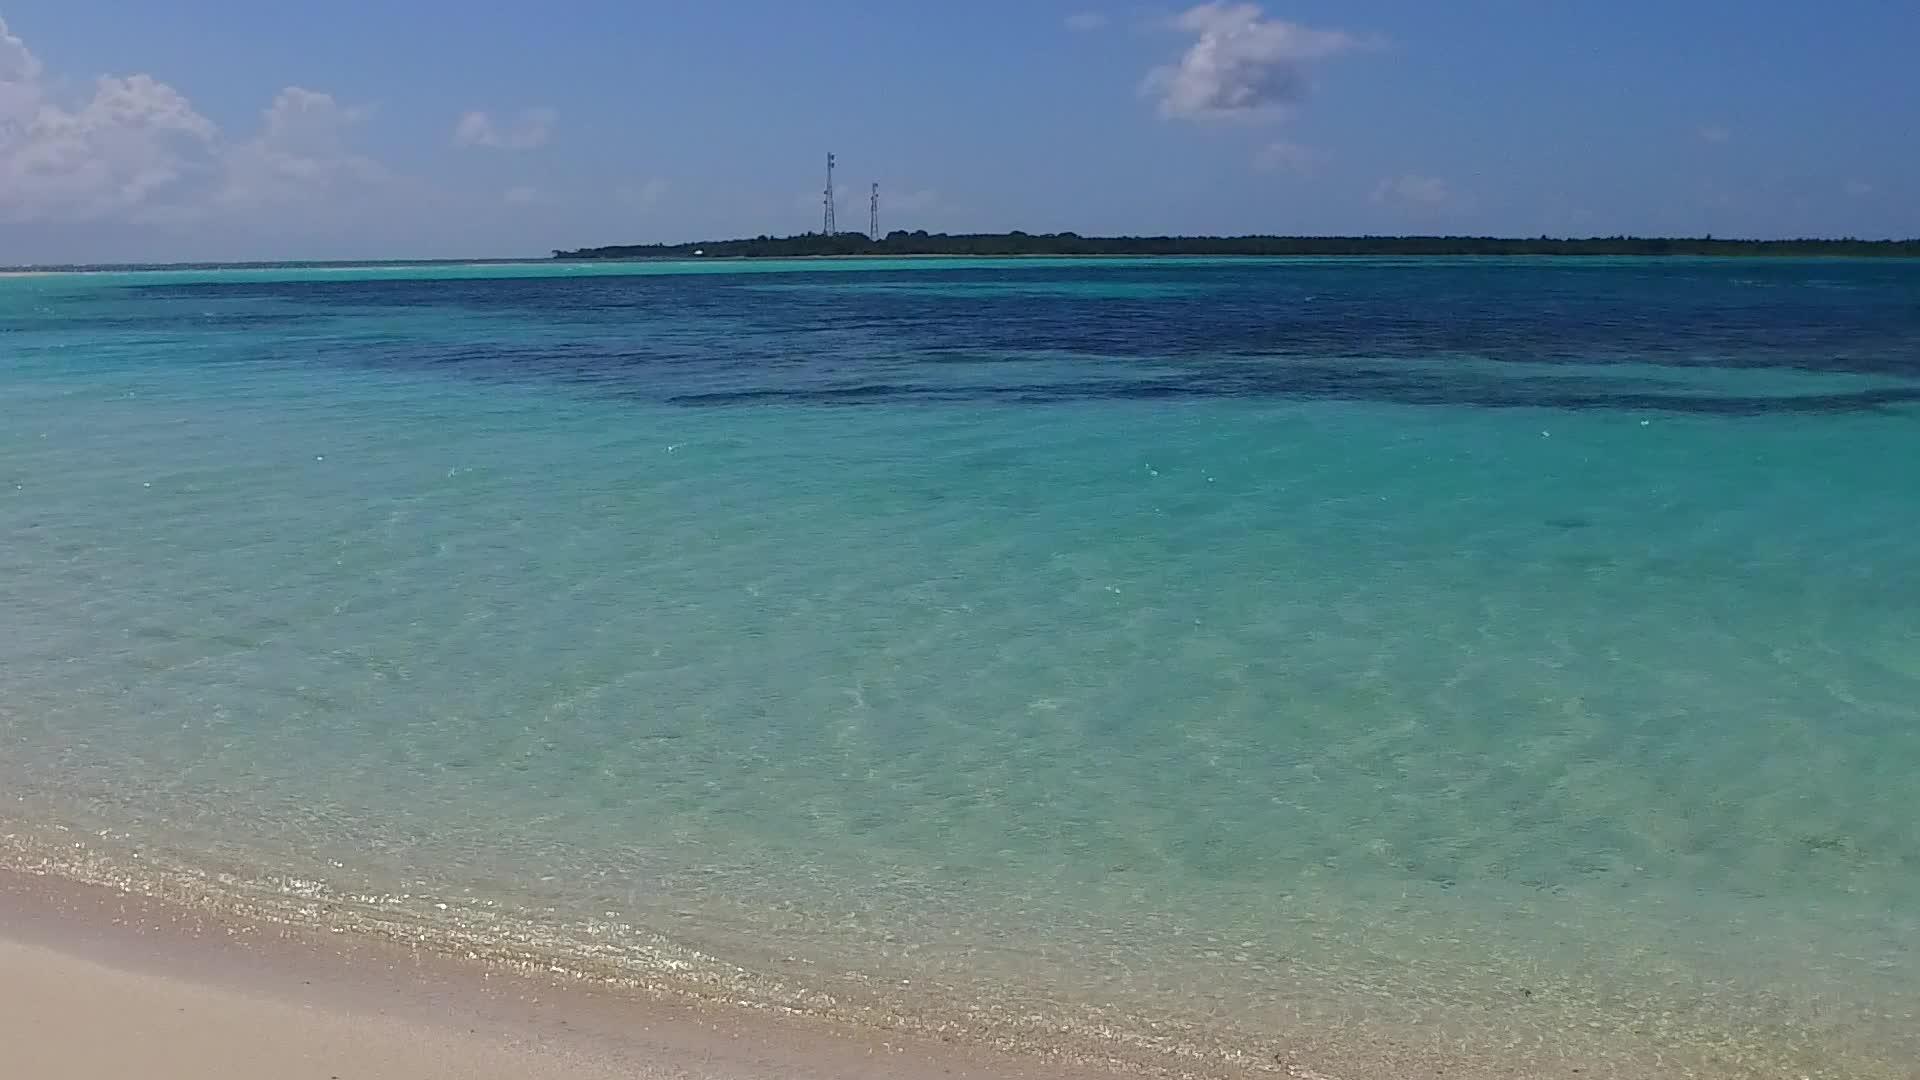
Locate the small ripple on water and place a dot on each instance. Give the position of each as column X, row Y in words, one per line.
column 1224, row 695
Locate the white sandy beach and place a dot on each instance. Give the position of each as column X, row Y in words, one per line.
column 65, row 1018
column 95, row 984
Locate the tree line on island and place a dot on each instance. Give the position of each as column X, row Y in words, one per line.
column 921, row 242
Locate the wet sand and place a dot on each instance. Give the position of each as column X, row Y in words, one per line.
column 96, row 983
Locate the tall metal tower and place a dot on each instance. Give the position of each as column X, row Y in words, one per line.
column 873, row 214
column 827, row 226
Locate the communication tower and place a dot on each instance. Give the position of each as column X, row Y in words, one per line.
column 826, row 226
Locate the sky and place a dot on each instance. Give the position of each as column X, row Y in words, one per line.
column 224, row 130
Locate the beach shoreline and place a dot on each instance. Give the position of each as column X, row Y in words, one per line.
column 426, row 960
column 200, row 987
column 193, row 993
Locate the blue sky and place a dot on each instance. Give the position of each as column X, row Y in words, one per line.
column 197, row 129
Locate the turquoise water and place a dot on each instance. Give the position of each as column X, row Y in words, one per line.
column 1481, row 662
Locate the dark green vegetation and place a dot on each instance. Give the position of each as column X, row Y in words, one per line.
column 1020, row 243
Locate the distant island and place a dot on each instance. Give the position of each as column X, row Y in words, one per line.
column 1066, row 243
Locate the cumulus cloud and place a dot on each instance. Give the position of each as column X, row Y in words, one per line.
column 307, row 119
column 1714, row 133
column 1288, row 157
column 136, row 150
column 300, row 156
column 18, row 65
column 1241, row 62
column 525, row 130
column 1084, row 21
column 1414, row 191
column 132, row 140
column 523, row 196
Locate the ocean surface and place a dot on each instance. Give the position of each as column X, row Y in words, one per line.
column 1295, row 665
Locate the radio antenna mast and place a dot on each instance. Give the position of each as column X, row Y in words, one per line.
column 826, row 225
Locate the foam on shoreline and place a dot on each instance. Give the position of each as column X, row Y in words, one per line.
column 195, row 994
column 620, row 967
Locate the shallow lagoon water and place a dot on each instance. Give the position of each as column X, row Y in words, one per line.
column 1495, row 658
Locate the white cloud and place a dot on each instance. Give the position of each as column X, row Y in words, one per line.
column 643, row 195
column 137, row 151
column 1858, row 188
column 133, row 140
column 1084, row 21
column 307, row 119
column 1414, row 191
column 300, row 157
column 523, row 196
column 18, row 65
column 1289, row 157
column 526, row 130
column 1241, row 63
column 1714, row 133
